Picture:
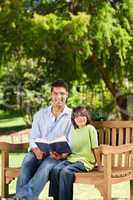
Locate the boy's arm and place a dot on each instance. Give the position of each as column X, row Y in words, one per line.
column 98, row 156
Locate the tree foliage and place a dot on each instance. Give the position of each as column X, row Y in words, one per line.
column 44, row 40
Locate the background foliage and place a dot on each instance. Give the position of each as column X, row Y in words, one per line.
column 87, row 43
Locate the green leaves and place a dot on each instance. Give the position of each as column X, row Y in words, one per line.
column 40, row 42
column 109, row 32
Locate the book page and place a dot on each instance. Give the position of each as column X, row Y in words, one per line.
column 59, row 139
column 41, row 140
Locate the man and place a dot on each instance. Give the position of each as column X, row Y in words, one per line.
column 48, row 123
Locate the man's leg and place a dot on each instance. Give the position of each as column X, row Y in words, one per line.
column 28, row 168
column 66, row 179
column 32, row 189
column 54, row 179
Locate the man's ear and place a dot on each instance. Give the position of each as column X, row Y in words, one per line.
column 66, row 94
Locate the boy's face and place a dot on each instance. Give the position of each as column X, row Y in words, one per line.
column 59, row 96
column 80, row 120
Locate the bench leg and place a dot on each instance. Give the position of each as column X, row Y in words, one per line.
column 131, row 190
column 5, row 163
column 4, row 190
column 107, row 192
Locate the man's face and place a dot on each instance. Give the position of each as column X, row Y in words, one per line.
column 59, row 96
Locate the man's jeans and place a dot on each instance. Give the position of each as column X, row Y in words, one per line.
column 62, row 178
column 33, row 176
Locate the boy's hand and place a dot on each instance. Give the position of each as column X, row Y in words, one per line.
column 38, row 153
column 58, row 156
column 55, row 155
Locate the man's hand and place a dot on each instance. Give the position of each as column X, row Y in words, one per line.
column 55, row 155
column 38, row 153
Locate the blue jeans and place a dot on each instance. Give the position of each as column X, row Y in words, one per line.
column 61, row 179
column 33, row 176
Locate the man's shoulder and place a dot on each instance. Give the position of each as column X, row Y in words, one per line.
column 42, row 111
column 68, row 110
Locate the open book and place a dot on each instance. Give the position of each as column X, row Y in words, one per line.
column 59, row 145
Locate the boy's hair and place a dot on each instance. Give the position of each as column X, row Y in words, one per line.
column 59, row 83
column 83, row 112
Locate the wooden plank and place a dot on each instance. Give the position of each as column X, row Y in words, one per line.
column 121, row 136
column 113, row 137
column 113, row 143
column 107, row 136
column 127, row 141
column 131, row 160
column 127, row 135
column 92, row 177
column 101, row 136
column 120, row 142
column 114, row 124
column 131, row 189
column 4, row 164
column 12, row 147
column 131, row 134
column 107, row 177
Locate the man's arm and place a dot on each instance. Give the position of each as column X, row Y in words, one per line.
column 63, row 156
column 35, row 133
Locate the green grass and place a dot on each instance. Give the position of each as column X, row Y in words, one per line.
column 11, row 121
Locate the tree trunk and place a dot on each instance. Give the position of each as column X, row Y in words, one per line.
column 122, row 101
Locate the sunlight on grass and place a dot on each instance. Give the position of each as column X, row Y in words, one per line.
column 8, row 119
column 15, row 121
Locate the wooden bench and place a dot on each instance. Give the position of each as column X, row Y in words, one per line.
column 114, row 159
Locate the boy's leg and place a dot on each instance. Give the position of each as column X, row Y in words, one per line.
column 67, row 176
column 54, row 179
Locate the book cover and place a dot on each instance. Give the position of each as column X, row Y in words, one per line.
column 60, row 145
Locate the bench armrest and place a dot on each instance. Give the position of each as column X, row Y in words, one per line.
column 4, row 146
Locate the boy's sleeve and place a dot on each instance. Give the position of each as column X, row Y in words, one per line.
column 93, row 138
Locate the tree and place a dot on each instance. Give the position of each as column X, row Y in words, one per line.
column 70, row 39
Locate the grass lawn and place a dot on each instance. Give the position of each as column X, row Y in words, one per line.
column 12, row 121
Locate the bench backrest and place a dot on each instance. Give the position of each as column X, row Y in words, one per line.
column 116, row 133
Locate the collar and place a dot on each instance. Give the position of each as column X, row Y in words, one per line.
column 66, row 110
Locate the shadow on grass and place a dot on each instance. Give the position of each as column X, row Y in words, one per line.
column 7, row 115
column 11, row 121
column 9, row 130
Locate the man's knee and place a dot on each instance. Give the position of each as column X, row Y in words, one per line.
column 29, row 158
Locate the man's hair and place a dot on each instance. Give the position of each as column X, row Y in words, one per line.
column 59, row 83
column 83, row 112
